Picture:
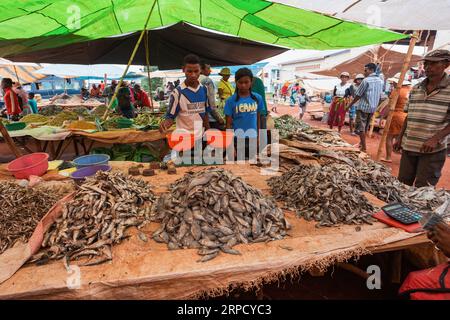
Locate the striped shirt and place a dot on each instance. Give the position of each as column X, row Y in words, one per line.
column 188, row 105
column 370, row 91
column 427, row 115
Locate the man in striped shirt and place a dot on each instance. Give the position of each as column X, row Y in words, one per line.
column 425, row 131
column 368, row 95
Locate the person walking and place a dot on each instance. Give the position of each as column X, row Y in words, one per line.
column 368, row 97
column 338, row 106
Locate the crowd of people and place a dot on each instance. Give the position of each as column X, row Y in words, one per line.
column 17, row 101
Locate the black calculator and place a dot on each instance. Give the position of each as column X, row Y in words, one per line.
column 398, row 211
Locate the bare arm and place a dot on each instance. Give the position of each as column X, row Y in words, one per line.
column 229, row 122
column 206, row 121
column 355, row 100
column 432, row 143
column 216, row 115
column 398, row 144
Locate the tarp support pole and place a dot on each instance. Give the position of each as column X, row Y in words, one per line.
column 130, row 61
column 395, row 94
column 147, row 59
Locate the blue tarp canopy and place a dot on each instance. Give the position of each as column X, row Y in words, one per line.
column 87, row 72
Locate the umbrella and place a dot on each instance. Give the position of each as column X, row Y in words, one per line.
column 24, row 72
column 34, row 25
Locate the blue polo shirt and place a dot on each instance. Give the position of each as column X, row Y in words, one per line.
column 244, row 113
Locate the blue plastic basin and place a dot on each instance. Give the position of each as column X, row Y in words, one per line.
column 91, row 160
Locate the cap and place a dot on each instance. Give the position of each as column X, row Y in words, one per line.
column 344, row 74
column 437, row 55
column 225, row 72
column 359, row 76
column 397, row 77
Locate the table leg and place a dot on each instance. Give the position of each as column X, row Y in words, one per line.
column 83, row 145
column 75, row 146
column 38, row 145
column 45, row 146
column 58, row 150
column 90, row 146
column 52, row 150
column 64, row 147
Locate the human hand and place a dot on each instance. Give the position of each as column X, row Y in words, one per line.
column 165, row 125
column 440, row 235
column 397, row 145
column 429, row 145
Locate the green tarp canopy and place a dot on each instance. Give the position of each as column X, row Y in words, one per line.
column 167, row 48
column 32, row 25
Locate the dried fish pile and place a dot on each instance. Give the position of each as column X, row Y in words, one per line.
column 288, row 125
column 21, row 208
column 213, row 211
column 323, row 194
column 326, row 138
column 375, row 178
column 98, row 216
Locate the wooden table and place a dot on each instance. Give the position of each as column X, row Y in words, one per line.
column 148, row 270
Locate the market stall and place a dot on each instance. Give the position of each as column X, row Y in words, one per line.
column 148, row 270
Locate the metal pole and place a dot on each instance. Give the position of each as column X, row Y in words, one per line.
column 393, row 100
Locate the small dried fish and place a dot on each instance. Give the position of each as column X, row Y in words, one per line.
column 102, row 209
column 215, row 217
column 21, row 208
column 303, row 188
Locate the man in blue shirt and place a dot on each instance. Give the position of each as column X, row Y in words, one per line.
column 368, row 94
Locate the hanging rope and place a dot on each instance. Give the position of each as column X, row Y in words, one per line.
column 136, row 47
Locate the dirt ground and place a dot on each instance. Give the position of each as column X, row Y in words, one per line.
column 372, row 143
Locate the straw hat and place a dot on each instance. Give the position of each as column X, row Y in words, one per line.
column 397, row 77
column 225, row 72
column 344, row 74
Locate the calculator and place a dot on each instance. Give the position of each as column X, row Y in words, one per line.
column 398, row 211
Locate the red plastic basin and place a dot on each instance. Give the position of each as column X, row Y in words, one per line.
column 181, row 141
column 35, row 164
column 219, row 139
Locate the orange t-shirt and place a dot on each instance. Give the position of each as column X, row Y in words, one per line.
column 403, row 96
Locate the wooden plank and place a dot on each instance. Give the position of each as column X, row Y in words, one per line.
column 400, row 245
